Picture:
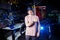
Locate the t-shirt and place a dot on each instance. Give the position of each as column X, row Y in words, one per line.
column 31, row 31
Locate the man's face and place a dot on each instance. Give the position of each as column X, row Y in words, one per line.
column 30, row 12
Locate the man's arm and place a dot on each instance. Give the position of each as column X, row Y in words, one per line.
column 27, row 23
column 38, row 33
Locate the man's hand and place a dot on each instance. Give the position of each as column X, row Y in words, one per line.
column 38, row 35
column 35, row 20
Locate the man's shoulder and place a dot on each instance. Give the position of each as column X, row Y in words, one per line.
column 36, row 16
column 26, row 16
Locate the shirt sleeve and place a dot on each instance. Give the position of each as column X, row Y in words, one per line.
column 26, row 20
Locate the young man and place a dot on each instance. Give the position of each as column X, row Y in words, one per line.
column 32, row 26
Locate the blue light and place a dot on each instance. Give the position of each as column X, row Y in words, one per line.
column 41, row 28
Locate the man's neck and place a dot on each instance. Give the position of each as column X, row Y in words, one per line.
column 31, row 15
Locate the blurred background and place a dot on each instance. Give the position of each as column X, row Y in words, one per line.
column 13, row 12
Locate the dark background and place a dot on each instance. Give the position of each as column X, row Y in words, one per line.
column 20, row 10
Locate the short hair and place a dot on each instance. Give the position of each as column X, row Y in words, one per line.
column 29, row 8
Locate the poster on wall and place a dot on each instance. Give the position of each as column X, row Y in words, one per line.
column 41, row 12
